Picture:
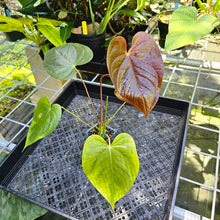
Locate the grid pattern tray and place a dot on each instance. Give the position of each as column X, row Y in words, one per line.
column 50, row 173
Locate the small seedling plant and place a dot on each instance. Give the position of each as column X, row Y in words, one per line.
column 136, row 74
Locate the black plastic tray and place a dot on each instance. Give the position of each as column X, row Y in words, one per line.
column 49, row 173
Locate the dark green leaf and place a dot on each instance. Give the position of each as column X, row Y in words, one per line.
column 37, row 11
column 16, row 208
column 111, row 168
column 45, row 48
column 60, row 62
column 2, row 157
column 27, row 3
column 65, row 31
column 45, row 120
column 135, row 14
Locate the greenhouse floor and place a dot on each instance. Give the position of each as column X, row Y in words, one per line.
column 191, row 74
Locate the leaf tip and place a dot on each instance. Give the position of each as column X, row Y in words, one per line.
column 25, row 146
column 113, row 206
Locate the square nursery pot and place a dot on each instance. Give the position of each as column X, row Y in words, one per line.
column 49, row 173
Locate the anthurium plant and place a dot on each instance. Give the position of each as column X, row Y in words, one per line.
column 111, row 167
column 187, row 25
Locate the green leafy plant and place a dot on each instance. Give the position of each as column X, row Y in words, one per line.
column 208, row 7
column 158, row 6
column 20, row 91
column 36, row 30
column 143, row 8
column 187, row 26
column 130, row 16
column 134, row 16
column 137, row 76
column 111, row 9
column 77, row 10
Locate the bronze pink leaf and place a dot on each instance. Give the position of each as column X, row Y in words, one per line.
column 137, row 73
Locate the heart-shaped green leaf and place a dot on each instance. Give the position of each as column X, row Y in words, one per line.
column 111, row 168
column 60, row 62
column 185, row 28
column 45, row 120
column 136, row 74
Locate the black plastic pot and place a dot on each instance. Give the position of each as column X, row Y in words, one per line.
column 14, row 36
column 95, row 42
column 163, row 27
column 163, row 31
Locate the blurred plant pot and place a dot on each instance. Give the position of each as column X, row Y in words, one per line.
column 95, row 42
column 14, row 36
column 163, row 31
column 41, row 75
column 163, row 26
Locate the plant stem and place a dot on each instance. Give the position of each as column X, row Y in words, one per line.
column 101, row 106
column 109, row 120
column 77, row 117
column 107, row 16
column 92, row 17
column 85, row 8
column 106, row 107
column 71, row 5
column 201, row 5
column 90, row 100
column 109, row 142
